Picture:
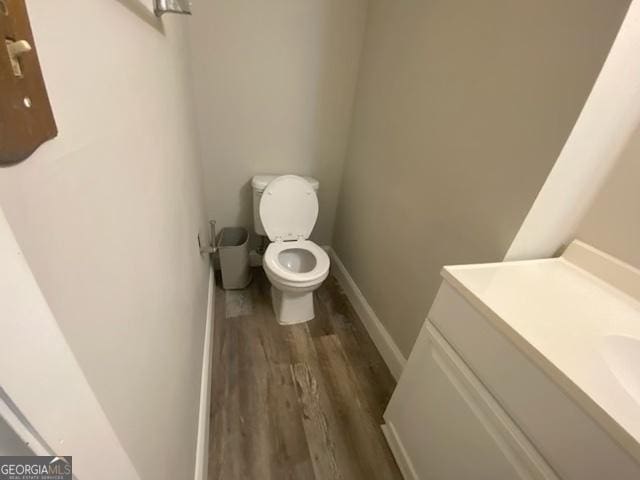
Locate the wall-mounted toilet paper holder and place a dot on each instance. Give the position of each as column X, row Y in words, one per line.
column 210, row 247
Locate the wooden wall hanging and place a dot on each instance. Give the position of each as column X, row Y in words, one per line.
column 26, row 119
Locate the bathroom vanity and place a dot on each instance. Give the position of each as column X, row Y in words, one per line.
column 525, row 370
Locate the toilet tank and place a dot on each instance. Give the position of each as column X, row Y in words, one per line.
column 258, row 184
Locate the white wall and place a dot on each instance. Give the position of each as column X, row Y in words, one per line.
column 107, row 216
column 274, row 83
column 45, row 397
column 612, row 222
column 462, row 108
column 609, row 118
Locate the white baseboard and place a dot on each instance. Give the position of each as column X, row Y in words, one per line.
column 202, row 446
column 380, row 336
column 399, row 453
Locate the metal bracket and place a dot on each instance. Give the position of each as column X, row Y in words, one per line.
column 160, row 7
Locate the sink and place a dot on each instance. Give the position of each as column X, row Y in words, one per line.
column 621, row 353
column 577, row 320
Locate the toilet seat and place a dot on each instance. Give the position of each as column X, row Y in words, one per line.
column 288, row 208
column 285, row 276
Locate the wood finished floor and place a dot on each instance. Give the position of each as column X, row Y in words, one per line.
column 296, row 402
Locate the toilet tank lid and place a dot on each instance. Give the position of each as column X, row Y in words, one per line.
column 260, row 182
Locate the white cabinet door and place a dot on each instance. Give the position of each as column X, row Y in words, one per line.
column 442, row 424
column 571, row 441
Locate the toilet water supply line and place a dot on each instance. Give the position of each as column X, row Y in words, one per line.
column 211, row 248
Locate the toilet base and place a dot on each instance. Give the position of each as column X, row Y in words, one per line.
column 292, row 307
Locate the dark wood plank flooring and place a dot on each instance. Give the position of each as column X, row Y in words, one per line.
column 296, row 402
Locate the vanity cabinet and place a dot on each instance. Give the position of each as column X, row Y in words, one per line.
column 471, row 404
column 442, row 423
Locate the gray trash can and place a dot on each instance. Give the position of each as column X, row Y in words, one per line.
column 233, row 248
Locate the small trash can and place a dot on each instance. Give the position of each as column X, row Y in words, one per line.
column 233, row 248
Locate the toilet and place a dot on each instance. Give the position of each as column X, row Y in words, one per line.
column 286, row 210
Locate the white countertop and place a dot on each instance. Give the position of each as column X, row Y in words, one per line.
column 581, row 330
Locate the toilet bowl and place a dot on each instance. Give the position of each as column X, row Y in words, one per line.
column 294, row 265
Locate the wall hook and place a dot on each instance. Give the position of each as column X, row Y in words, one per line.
column 160, row 7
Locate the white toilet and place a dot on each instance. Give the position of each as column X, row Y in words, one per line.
column 286, row 212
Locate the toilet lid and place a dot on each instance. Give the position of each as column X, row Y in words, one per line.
column 288, row 208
